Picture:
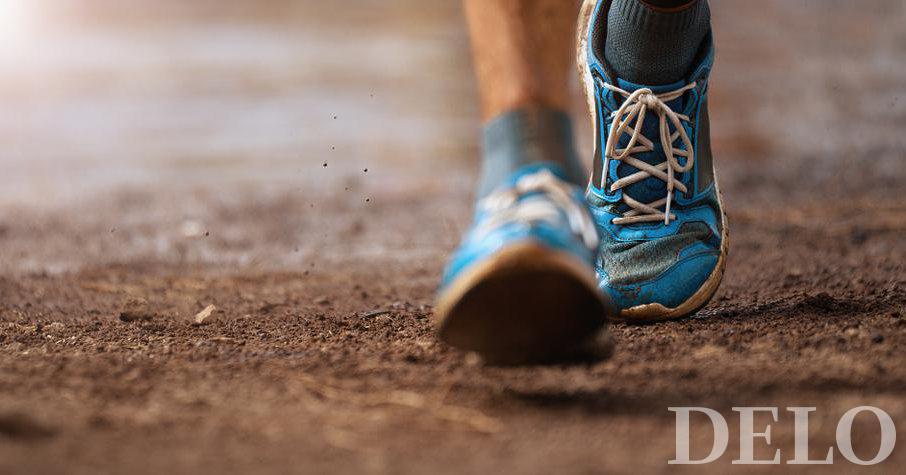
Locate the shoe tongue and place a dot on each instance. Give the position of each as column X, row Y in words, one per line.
column 632, row 87
column 650, row 189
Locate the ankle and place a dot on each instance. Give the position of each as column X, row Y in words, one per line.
column 527, row 136
column 648, row 42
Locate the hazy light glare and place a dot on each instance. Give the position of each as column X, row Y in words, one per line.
column 14, row 23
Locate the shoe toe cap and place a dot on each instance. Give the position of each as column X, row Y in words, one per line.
column 670, row 288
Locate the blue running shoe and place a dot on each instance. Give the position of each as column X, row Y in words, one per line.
column 521, row 287
column 653, row 192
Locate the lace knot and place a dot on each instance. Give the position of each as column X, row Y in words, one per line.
column 649, row 100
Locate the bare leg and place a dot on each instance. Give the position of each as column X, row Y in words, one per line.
column 524, row 51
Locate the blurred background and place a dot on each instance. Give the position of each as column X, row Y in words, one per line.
column 130, row 93
column 164, row 120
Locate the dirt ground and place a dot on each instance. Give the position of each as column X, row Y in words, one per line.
column 306, row 166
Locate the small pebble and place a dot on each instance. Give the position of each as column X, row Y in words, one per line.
column 136, row 309
column 204, row 317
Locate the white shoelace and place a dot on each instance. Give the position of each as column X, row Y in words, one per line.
column 506, row 206
column 634, row 108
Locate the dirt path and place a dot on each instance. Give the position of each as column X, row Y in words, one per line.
column 133, row 191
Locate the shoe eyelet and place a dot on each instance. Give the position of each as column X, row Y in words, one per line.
column 607, row 184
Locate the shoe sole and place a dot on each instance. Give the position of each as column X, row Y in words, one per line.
column 526, row 304
column 654, row 312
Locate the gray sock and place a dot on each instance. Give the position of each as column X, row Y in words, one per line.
column 652, row 47
column 525, row 137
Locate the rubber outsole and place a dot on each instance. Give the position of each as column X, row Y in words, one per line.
column 650, row 312
column 526, row 304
